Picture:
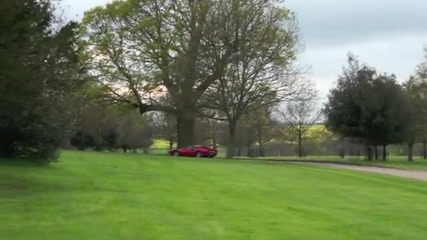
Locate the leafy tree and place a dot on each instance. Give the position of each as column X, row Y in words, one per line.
column 299, row 118
column 101, row 126
column 261, row 72
column 138, row 48
column 368, row 107
column 147, row 46
column 387, row 110
column 39, row 73
column 255, row 129
column 135, row 131
column 416, row 89
column 164, row 126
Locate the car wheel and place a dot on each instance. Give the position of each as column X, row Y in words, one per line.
column 199, row 155
column 176, row 154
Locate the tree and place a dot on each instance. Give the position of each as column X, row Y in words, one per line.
column 369, row 107
column 139, row 48
column 299, row 118
column 422, row 75
column 101, row 126
column 39, row 73
column 261, row 72
column 135, row 131
column 164, row 126
column 422, row 68
column 386, row 112
column 416, row 89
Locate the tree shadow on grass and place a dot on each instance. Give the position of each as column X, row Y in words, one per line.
column 18, row 162
column 13, row 185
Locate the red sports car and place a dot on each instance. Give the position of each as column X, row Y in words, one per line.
column 194, row 151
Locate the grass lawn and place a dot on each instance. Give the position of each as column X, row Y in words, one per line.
column 394, row 161
column 114, row 196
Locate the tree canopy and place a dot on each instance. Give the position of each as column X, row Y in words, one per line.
column 39, row 73
column 367, row 106
column 141, row 49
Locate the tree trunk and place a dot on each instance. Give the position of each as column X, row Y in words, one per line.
column 170, row 144
column 376, row 152
column 214, row 135
column 214, row 142
column 82, row 146
column 369, row 152
column 185, row 129
column 410, row 152
column 260, row 143
column 300, row 154
column 231, row 139
column 424, row 149
column 384, row 152
column 342, row 151
column 248, row 150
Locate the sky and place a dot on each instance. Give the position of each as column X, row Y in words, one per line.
column 386, row 34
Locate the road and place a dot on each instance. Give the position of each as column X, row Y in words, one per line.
column 405, row 173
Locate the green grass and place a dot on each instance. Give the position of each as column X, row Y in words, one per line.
column 394, row 161
column 114, row 196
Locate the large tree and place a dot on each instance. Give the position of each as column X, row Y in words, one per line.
column 261, row 72
column 367, row 106
column 38, row 75
column 139, row 48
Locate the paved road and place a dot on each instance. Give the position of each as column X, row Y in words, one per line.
column 412, row 174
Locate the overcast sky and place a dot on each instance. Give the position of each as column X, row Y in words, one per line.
column 386, row 34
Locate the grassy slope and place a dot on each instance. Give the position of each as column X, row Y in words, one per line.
column 106, row 196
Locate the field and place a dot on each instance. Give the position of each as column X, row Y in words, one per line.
column 115, row 196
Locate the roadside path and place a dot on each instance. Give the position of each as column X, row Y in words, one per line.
column 405, row 173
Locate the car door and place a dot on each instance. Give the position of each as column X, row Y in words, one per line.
column 186, row 151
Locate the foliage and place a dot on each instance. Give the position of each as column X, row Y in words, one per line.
column 143, row 50
column 39, row 73
column 102, row 126
column 165, row 127
column 148, row 46
column 366, row 106
column 261, row 73
column 299, row 118
column 416, row 90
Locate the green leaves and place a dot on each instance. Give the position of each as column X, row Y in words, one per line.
column 39, row 74
column 368, row 106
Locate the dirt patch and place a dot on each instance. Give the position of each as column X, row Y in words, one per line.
column 405, row 173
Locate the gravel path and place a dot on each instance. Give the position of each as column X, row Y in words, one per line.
column 412, row 174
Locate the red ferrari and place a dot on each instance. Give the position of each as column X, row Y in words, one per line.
column 194, row 151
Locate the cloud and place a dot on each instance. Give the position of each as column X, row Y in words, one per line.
column 331, row 22
column 399, row 55
column 385, row 34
